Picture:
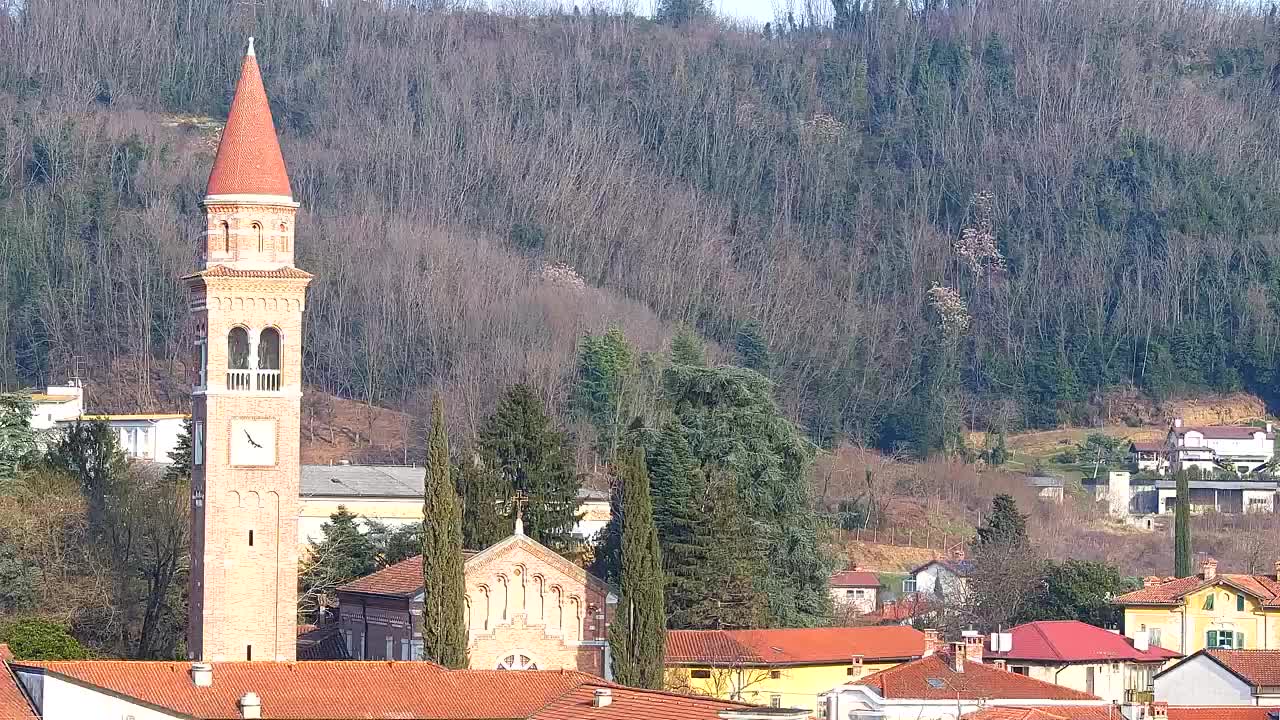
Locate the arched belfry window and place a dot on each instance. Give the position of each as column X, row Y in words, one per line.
column 257, row 228
column 226, row 237
column 284, row 238
column 238, row 349
column 269, row 349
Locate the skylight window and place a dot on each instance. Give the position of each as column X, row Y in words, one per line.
column 936, row 683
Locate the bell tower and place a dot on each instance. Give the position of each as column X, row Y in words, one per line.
column 247, row 304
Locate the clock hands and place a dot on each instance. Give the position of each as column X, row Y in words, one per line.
column 251, row 440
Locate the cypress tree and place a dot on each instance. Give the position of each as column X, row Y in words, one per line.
column 481, row 493
column 1182, row 559
column 531, row 456
column 677, row 494
column 607, row 560
column 444, row 629
column 637, row 637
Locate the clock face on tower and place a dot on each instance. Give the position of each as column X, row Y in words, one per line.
column 253, row 442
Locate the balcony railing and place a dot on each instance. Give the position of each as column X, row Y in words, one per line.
column 253, row 380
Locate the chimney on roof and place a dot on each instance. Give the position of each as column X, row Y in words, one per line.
column 932, row 642
column 202, row 674
column 603, row 697
column 1159, row 711
column 973, row 646
column 250, row 706
column 1209, row 568
column 1154, row 580
column 998, row 664
column 855, row 667
column 957, row 656
column 1142, row 640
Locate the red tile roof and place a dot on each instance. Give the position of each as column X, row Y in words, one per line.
column 249, row 159
column 1225, row 432
column 348, row 690
column 1067, row 641
column 797, row 646
column 1208, row 712
column 13, row 703
column 1256, row 667
column 399, row 580
column 854, row 578
column 906, row 607
column 222, row 271
column 1263, row 587
column 1047, row 712
column 911, row 681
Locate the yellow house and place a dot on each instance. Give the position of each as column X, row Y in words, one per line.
column 1207, row 610
column 789, row 667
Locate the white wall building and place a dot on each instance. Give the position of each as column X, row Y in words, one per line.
column 1222, row 677
column 148, row 437
column 58, row 403
column 945, row 580
column 1241, row 448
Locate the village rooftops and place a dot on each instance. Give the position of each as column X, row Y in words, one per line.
column 1171, row 592
column 791, row 647
column 350, row 690
column 1050, row 712
column 934, row 678
column 1226, row 432
column 853, row 578
column 1259, row 668
column 1071, row 641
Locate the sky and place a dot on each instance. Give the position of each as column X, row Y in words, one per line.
column 760, row 11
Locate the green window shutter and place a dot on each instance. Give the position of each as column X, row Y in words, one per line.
column 1208, row 601
column 1239, row 640
column 1239, row 603
column 1212, row 639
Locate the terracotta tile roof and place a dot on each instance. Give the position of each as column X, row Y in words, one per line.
column 854, row 578
column 905, row 607
column 1237, row 712
column 1047, row 712
column 1256, row 667
column 399, row 580
column 13, row 703
column 349, row 690
column 632, row 704
column 1225, row 432
column 222, row 271
column 1067, row 641
column 249, row 159
column 912, row 681
column 1263, row 587
column 797, row 646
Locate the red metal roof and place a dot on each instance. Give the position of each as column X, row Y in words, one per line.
column 911, row 681
column 854, row 578
column 1263, row 587
column 795, row 646
column 349, row 690
column 1067, row 641
column 249, row 159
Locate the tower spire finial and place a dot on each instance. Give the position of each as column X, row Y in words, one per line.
column 250, row 52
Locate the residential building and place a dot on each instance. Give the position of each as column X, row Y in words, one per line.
column 246, row 304
column 941, row 580
column 1236, row 448
column 150, row 437
column 788, row 667
column 1186, row 615
column 149, row 690
column 1082, row 657
column 1049, row 488
column 392, row 495
column 907, row 609
column 1219, row 494
column 1222, row 677
column 946, row 686
column 528, row 608
column 58, row 403
column 855, row 590
column 1149, row 456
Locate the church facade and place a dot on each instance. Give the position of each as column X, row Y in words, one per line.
column 247, row 302
column 528, row 608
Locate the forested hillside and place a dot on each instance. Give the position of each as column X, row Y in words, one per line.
column 913, row 217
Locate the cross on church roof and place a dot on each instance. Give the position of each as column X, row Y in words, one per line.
column 521, row 499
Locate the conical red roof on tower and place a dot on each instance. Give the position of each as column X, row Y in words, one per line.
column 249, row 161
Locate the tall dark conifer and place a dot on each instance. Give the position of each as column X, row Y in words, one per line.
column 483, row 495
column 444, row 628
column 677, row 494
column 1183, row 562
column 637, row 637
column 520, row 442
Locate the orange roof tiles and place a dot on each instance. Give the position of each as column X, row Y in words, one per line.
column 1207, row 712
column 349, row 690
column 911, row 681
column 249, row 159
column 13, row 704
column 222, row 271
column 854, row 578
column 795, row 646
column 1256, row 667
column 403, row 578
column 1263, row 587
column 1048, row 712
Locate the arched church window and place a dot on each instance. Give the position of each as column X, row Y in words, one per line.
column 226, row 237
column 518, row 661
column 238, row 349
column 284, row 238
column 258, row 230
column 269, row 349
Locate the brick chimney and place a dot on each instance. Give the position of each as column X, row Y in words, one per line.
column 957, row 656
column 973, row 648
column 855, row 667
column 1153, row 580
column 1159, row 711
column 1209, row 568
column 932, row 642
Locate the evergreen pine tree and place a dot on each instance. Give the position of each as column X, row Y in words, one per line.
column 1005, row 525
column 753, row 348
column 532, row 456
column 342, row 555
column 179, row 468
column 482, row 494
column 637, row 637
column 727, row 591
column 605, row 367
column 1183, row 561
column 677, row 494
column 444, row 628
column 686, row 347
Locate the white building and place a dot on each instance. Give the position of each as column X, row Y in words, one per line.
column 58, row 403
column 945, row 580
column 148, row 437
column 1240, row 448
column 854, row 589
column 1222, row 677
